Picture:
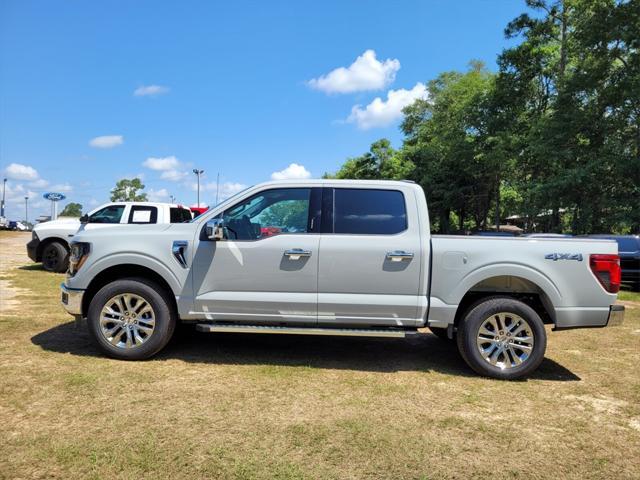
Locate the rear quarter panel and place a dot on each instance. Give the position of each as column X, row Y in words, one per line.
column 569, row 287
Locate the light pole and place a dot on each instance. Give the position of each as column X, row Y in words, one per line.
column 173, row 199
column 26, row 209
column 4, row 188
column 217, row 187
column 198, row 173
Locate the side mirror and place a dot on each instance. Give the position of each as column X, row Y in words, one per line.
column 84, row 219
column 214, row 229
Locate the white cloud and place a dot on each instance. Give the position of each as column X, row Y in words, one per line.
column 150, row 90
column 40, row 183
column 227, row 189
column 163, row 163
column 170, row 167
column 161, row 195
column 382, row 113
column 61, row 187
column 173, row 175
column 106, row 141
column 365, row 73
column 17, row 171
column 293, row 171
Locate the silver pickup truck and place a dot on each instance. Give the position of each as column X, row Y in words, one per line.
column 338, row 257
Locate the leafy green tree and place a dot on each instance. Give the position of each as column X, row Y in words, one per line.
column 447, row 141
column 126, row 190
column 380, row 162
column 72, row 209
column 570, row 94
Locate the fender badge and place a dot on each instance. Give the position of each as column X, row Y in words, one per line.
column 563, row 256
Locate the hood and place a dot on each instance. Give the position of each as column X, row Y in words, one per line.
column 60, row 222
column 120, row 230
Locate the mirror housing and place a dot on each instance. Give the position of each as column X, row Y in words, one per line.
column 214, row 229
column 84, row 219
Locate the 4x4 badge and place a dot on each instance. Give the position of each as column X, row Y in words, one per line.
column 563, row 256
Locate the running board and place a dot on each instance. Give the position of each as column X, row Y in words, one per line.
column 343, row 332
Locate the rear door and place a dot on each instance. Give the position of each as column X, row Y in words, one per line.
column 370, row 257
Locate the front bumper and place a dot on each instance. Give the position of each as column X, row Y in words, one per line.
column 32, row 249
column 616, row 316
column 71, row 299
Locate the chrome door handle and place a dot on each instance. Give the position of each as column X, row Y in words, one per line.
column 297, row 253
column 399, row 255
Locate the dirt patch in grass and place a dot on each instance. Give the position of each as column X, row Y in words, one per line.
column 13, row 255
column 263, row 407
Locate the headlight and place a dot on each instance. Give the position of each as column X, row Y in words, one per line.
column 79, row 253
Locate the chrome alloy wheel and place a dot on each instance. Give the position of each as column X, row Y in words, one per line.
column 127, row 321
column 505, row 340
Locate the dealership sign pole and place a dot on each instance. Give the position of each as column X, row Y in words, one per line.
column 54, row 197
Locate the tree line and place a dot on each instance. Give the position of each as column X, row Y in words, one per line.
column 550, row 141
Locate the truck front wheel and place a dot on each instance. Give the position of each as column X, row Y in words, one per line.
column 131, row 319
column 503, row 338
column 55, row 258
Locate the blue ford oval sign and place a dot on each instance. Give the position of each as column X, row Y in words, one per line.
column 54, row 196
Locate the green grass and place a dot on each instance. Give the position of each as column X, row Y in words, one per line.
column 261, row 407
column 629, row 296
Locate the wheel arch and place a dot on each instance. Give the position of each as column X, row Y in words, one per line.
column 47, row 241
column 513, row 286
column 121, row 271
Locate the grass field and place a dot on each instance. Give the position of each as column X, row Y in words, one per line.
column 245, row 407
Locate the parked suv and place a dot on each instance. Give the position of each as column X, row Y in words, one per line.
column 50, row 240
column 629, row 252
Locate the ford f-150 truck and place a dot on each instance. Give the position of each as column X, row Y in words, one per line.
column 50, row 240
column 338, row 257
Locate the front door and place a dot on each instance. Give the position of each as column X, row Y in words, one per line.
column 266, row 268
column 370, row 260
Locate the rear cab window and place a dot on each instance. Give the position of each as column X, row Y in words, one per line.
column 179, row 215
column 362, row 211
column 143, row 214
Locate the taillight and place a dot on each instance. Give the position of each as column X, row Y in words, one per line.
column 606, row 268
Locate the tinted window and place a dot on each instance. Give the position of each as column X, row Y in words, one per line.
column 363, row 211
column 180, row 215
column 269, row 213
column 110, row 214
column 143, row 214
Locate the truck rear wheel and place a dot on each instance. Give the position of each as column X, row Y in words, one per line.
column 503, row 338
column 55, row 258
column 130, row 319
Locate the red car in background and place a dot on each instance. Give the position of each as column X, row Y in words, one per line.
column 198, row 211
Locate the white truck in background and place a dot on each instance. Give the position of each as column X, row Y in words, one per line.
column 50, row 240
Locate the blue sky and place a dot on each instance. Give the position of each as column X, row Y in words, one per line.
column 91, row 92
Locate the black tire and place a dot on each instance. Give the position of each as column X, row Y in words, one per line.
column 469, row 328
column 155, row 296
column 441, row 333
column 55, row 257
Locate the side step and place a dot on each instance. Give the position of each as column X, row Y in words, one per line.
column 343, row 332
